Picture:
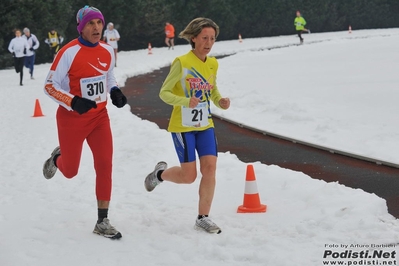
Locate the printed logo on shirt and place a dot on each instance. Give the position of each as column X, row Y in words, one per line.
column 199, row 84
column 99, row 70
column 58, row 95
column 101, row 63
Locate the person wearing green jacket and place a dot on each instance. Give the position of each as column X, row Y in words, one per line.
column 300, row 23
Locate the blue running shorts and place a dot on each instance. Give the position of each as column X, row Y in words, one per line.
column 186, row 143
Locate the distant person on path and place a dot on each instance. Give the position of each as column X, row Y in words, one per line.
column 19, row 47
column 30, row 53
column 189, row 88
column 111, row 36
column 170, row 35
column 300, row 23
column 79, row 80
column 54, row 41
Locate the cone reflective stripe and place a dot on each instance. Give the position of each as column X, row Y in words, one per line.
column 251, row 187
column 38, row 110
column 149, row 48
column 251, row 196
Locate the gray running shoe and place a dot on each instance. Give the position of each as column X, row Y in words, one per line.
column 107, row 230
column 206, row 224
column 49, row 167
column 151, row 181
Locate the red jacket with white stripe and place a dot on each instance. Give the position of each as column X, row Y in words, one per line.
column 82, row 69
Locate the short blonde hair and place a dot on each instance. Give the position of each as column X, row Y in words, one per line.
column 194, row 28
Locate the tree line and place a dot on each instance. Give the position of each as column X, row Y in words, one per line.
column 140, row 22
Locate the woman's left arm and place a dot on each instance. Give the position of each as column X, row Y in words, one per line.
column 218, row 100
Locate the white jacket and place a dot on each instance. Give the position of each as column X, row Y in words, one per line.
column 17, row 46
column 33, row 43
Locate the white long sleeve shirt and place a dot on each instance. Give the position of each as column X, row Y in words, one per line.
column 33, row 43
column 17, row 46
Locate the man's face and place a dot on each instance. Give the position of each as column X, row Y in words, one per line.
column 92, row 30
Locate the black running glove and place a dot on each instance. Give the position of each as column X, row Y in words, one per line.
column 82, row 105
column 24, row 50
column 31, row 49
column 13, row 54
column 117, row 97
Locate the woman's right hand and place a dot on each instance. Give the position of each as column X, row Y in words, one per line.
column 194, row 101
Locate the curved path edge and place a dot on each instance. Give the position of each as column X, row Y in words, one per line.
column 321, row 147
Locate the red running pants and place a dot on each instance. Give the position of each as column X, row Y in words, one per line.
column 94, row 127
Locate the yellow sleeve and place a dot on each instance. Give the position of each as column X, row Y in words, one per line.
column 215, row 96
column 166, row 93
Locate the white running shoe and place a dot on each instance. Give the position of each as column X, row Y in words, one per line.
column 151, row 181
column 206, row 224
column 49, row 168
column 107, row 230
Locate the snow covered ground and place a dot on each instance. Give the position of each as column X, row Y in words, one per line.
column 49, row 222
column 340, row 94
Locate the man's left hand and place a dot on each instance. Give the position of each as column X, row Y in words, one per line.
column 117, row 97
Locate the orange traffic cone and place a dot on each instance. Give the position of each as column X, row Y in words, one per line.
column 251, row 195
column 350, row 29
column 38, row 109
column 239, row 38
column 149, row 48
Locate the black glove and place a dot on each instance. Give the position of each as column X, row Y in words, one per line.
column 31, row 49
column 82, row 105
column 13, row 54
column 24, row 50
column 117, row 97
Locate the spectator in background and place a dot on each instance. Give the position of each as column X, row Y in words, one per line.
column 54, row 41
column 111, row 36
column 170, row 35
column 300, row 23
column 30, row 53
column 18, row 47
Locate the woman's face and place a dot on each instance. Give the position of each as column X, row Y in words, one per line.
column 18, row 33
column 204, row 41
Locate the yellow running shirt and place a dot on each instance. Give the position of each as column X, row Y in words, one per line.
column 53, row 39
column 190, row 76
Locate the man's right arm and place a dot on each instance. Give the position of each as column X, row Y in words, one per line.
column 53, row 85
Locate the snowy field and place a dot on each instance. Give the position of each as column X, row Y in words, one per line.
column 340, row 94
column 50, row 222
